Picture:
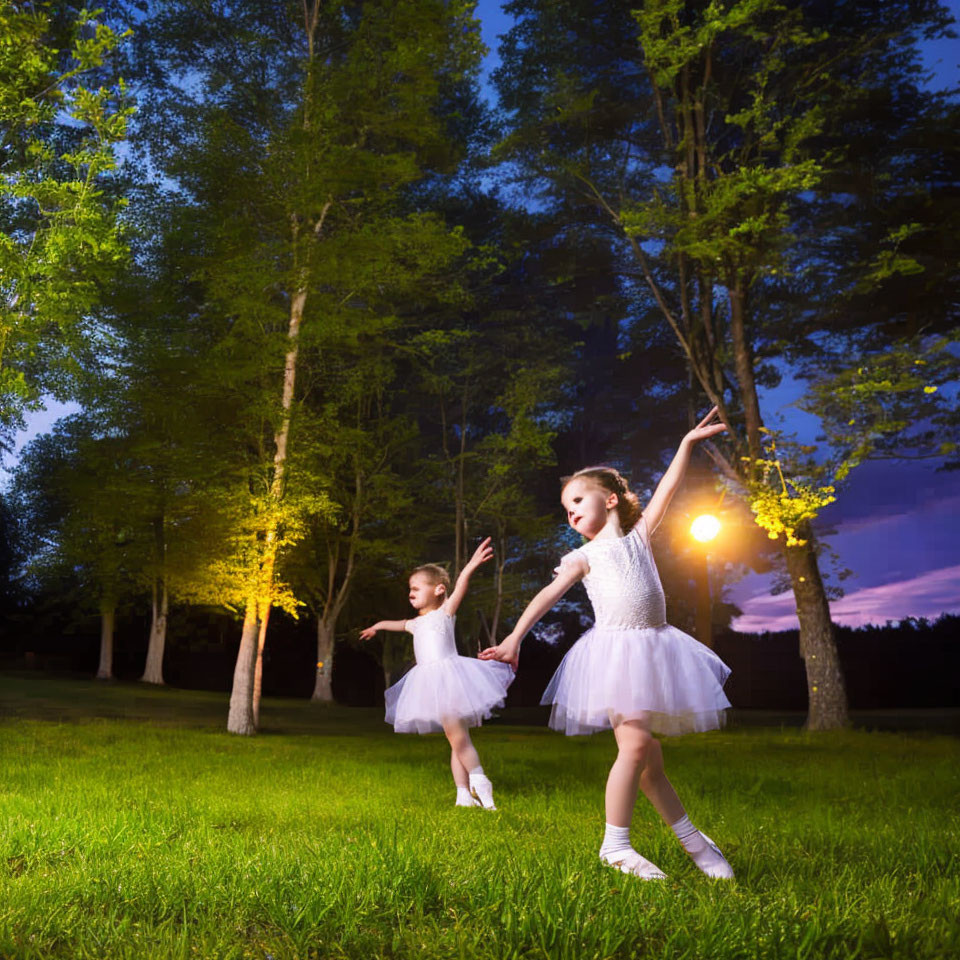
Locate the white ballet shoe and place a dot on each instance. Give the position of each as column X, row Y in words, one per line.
column 716, row 867
column 482, row 791
column 471, row 802
column 629, row 861
column 484, row 800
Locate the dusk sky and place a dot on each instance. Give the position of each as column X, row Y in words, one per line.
column 898, row 524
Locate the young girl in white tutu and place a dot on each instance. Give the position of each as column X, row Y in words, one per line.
column 631, row 671
column 445, row 691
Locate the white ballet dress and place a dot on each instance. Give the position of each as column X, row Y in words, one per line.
column 631, row 664
column 442, row 685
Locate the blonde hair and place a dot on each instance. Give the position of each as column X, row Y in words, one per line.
column 628, row 506
column 436, row 575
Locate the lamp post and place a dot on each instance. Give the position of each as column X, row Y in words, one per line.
column 704, row 529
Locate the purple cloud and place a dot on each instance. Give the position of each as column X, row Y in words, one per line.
column 926, row 595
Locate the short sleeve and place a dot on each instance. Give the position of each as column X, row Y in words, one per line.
column 574, row 556
column 408, row 626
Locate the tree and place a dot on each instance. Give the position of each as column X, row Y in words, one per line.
column 294, row 142
column 691, row 130
column 60, row 241
column 71, row 495
column 361, row 445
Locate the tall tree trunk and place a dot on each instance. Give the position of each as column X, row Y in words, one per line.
column 258, row 667
column 743, row 365
column 153, row 669
column 501, row 562
column 241, row 719
column 108, row 610
column 323, row 685
column 704, row 601
column 818, row 647
column 487, row 636
column 243, row 713
column 460, row 545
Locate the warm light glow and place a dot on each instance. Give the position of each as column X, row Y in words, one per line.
column 705, row 527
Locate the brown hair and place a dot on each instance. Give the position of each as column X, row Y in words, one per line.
column 436, row 573
column 628, row 506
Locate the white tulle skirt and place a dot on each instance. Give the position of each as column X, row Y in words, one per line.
column 659, row 675
column 451, row 688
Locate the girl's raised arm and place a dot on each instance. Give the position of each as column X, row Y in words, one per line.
column 671, row 480
column 481, row 555
column 397, row 626
column 508, row 650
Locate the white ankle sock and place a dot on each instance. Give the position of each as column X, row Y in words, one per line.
column 615, row 840
column 703, row 851
column 482, row 788
column 688, row 835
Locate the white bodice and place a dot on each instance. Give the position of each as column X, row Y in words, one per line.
column 433, row 636
column 623, row 584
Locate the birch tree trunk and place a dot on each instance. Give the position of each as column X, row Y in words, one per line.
column 818, row 646
column 323, row 685
column 245, row 713
column 258, row 668
column 244, row 700
column 498, row 586
column 153, row 669
column 108, row 609
column 241, row 719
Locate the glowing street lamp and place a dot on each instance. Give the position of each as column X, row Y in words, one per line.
column 705, row 528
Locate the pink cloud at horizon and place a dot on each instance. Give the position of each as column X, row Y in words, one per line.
column 927, row 595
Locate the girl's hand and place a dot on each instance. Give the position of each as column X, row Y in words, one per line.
column 481, row 555
column 708, row 427
column 369, row 633
column 508, row 651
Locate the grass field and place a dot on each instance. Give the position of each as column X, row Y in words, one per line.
column 133, row 826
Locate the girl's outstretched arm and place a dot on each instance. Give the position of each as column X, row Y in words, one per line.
column 481, row 555
column 708, row 427
column 508, row 650
column 397, row 626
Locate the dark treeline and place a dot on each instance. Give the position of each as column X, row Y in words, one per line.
column 767, row 671
column 333, row 316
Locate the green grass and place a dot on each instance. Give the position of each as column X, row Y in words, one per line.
column 133, row 826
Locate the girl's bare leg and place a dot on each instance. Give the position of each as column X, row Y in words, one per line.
column 639, row 763
column 461, row 745
column 466, row 755
column 635, row 746
column 657, row 788
column 460, row 776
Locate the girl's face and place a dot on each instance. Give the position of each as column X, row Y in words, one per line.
column 588, row 505
column 424, row 594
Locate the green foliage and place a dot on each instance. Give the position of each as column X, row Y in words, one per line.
column 901, row 399
column 59, row 236
column 307, row 248
column 74, row 497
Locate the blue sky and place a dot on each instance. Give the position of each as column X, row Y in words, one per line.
column 898, row 524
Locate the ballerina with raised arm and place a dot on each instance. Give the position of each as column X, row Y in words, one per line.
column 444, row 691
column 631, row 671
